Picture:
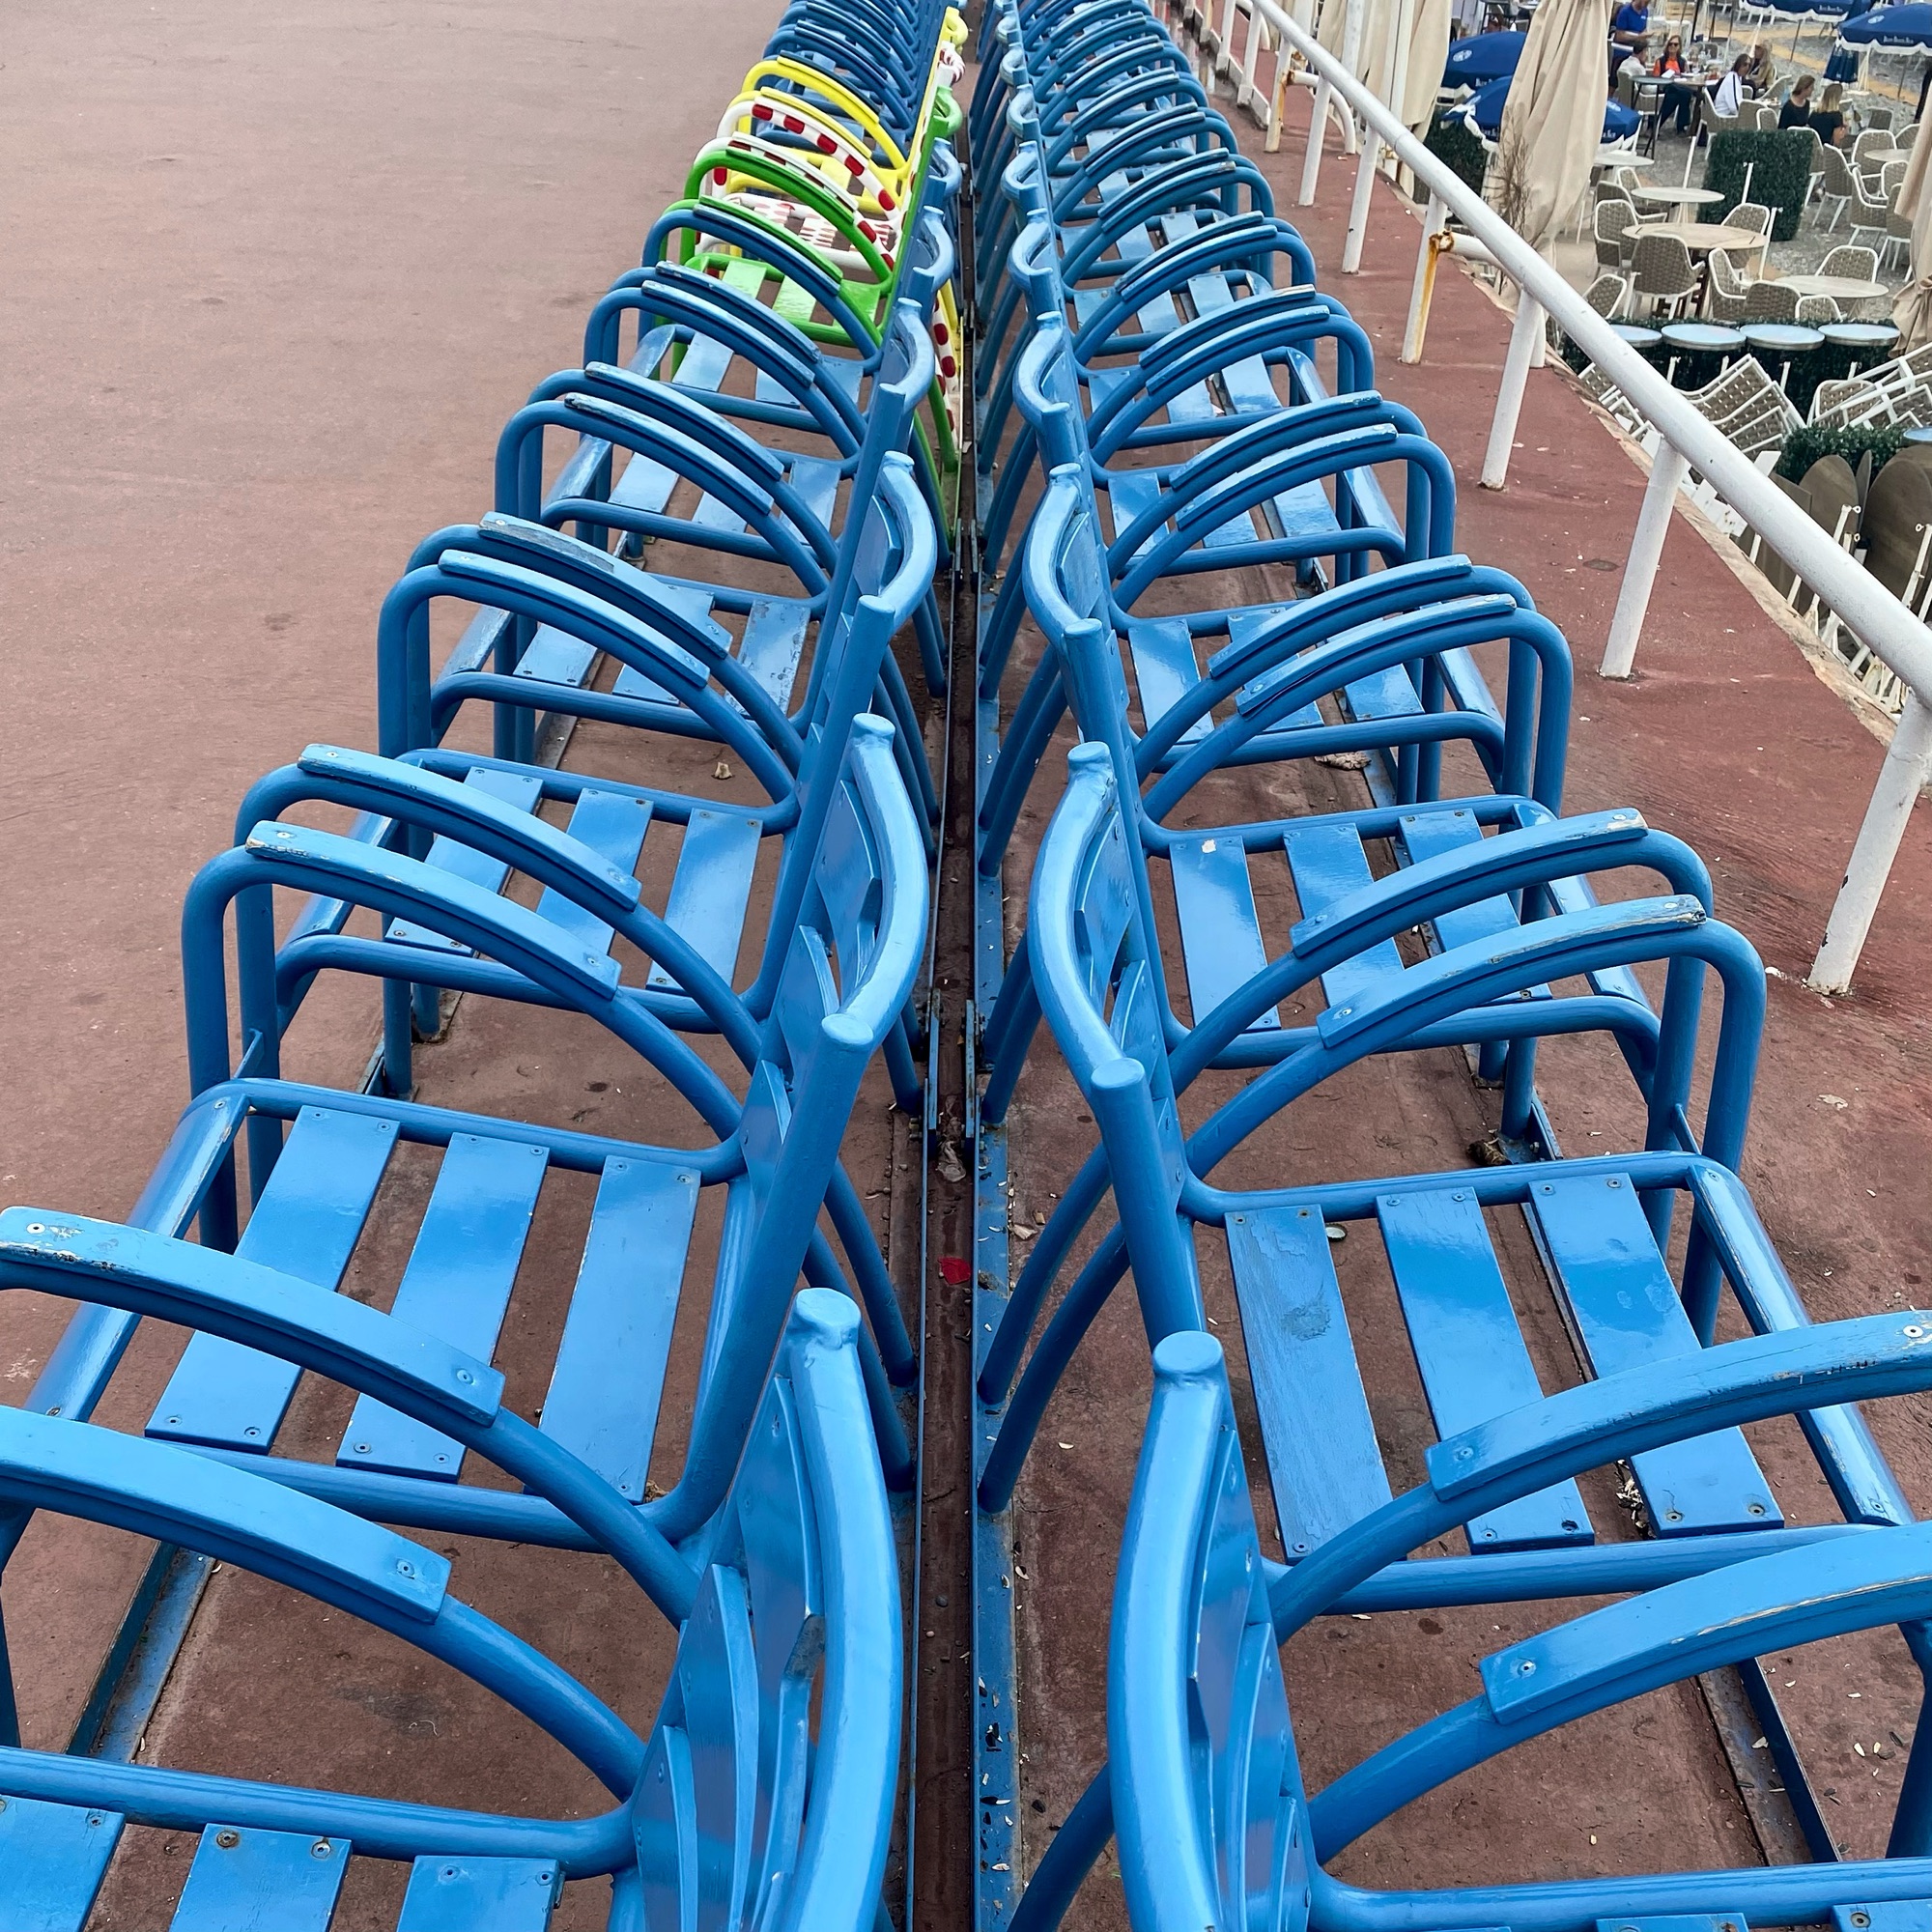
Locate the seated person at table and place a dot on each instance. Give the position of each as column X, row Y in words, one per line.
column 1678, row 99
column 1730, row 94
column 1796, row 109
column 1829, row 122
column 1760, row 76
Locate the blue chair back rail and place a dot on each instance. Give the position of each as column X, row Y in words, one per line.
column 788, row 1834
column 1604, row 1222
column 1166, row 205
column 1067, row 575
column 1112, row 213
column 1084, row 81
column 580, row 600
column 706, row 318
column 857, row 946
column 1280, row 672
column 756, row 257
column 704, row 325
column 1205, row 1786
column 1068, row 70
column 1208, row 378
column 1293, row 486
column 774, row 625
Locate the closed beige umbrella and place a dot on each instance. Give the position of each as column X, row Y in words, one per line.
column 1553, row 119
column 1427, row 52
column 1912, row 310
column 1374, row 32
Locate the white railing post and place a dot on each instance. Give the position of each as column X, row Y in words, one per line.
column 1318, row 135
column 1219, row 41
column 1668, row 469
column 1432, row 224
column 1278, row 106
column 1523, row 338
column 1899, row 779
column 1247, row 93
column 1359, row 209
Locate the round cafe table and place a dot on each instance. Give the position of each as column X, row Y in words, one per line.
column 1852, row 345
column 1676, row 197
column 1841, row 288
column 1699, row 352
column 1700, row 236
column 1785, row 347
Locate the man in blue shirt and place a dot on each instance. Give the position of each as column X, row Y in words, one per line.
column 1628, row 28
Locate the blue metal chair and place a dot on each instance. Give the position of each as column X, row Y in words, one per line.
column 751, row 505
column 577, row 602
column 759, row 258
column 1291, row 486
column 1391, row 653
column 1604, row 1222
column 1215, row 1823
column 765, row 1791
column 1070, row 62
column 857, row 943
column 1208, row 376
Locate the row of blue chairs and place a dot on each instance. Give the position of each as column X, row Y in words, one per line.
column 1171, row 411
column 704, row 542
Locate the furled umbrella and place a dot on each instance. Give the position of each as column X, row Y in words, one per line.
column 1912, row 310
column 1428, row 50
column 1374, row 15
column 1553, row 118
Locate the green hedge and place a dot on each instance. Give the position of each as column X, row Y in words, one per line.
column 1780, row 165
column 1449, row 136
column 1802, row 447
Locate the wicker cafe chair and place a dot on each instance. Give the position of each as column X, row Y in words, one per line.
column 1815, row 311
column 1870, row 209
column 1859, row 263
column 1817, row 178
column 1614, row 217
column 1608, row 295
column 1729, row 295
column 1770, row 301
column 1662, row 273
column 1752, row 217
column 1897, row 245
column 1837, row 190
column 1840, row 404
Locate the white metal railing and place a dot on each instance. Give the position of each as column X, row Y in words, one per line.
column 1885, row 626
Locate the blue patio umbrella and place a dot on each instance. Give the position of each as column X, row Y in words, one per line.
column 1806, row 10
column 1486, row 108
column 1905, row 29
column 1481, row 58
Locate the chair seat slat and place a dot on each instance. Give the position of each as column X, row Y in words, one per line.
column 1627, row 1313
column 306, row 1224
column 1470, row 1350
column 457, row 1285
column 604, row 1392
column 1323, row 1457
